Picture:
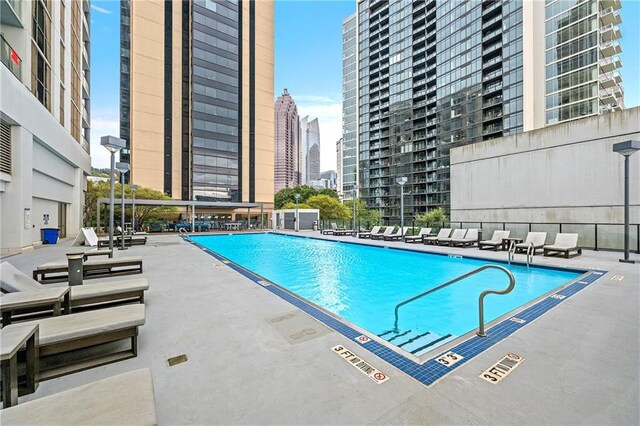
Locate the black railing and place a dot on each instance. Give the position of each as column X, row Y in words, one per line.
column 595, row 236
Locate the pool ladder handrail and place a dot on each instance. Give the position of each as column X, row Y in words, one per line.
column 480, row 332
column 512, row 252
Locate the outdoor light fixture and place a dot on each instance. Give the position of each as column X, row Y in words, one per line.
column 113, row 145
column 123, row 168
column 133, row 206
column 295, row 219
column 401, row 181
column 627, row 148
column 355, row 195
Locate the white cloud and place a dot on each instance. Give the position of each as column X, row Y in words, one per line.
column 100, row 9
column 328, row 110
column 102, row 124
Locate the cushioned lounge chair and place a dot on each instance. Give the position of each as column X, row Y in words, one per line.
column 125, row 399
column 535, row 238
column 334, row 227
column 387, row 231
column 375, row 230
column 62, row 339
column 470, row 238
column 564, row 245
column 59, row 271
column 443, row 233
column 495, row 241
column 398, row 235
column 130, row 290
column 343, row 232
column 418, row 237
column 457, row 234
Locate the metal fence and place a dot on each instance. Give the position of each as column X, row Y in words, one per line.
column 595, row 236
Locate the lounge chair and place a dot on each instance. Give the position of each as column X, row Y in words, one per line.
column 387, row 231
column 470, row 238
column 61, row 338
column 343, row 232
column 535, row 238
column 457, row 234
column 398, row 235
column 125, row 399
column 417, row 238
column 367, row 234
column 91, row 268
column 131, row 290
column 443, row 233
column 334, row 228
column 564, row 245
column 495, row 241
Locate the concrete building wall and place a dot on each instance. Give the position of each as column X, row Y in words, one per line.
column 566, row 173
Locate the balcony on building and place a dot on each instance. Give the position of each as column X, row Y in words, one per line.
column 610, row 33
column 614, row 4
column 610, row 48
column 607, row 96
column 610, row 16
column 610, row 79
column 610, row 64
column 10, row 11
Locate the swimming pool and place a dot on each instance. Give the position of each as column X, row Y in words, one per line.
column 363, row 284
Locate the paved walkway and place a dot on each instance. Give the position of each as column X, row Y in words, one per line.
column 247, row 366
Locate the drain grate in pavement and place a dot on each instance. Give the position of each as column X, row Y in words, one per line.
column 177, row 360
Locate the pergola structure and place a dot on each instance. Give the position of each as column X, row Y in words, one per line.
column 189, row 203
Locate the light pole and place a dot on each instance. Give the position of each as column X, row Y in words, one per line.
column 355, row 195
column 627, row 148
column 113, row 145
column 295, row 219
column 133, row 207
column 401, row 181
column 124, row 168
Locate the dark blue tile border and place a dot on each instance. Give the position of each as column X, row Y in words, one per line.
column 431, row 370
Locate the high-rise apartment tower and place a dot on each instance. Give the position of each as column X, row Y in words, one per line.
column 433, row 75
column 287, row 140
column 348, row 166
column 309, row 149
column 197, row 97
column 44, row 119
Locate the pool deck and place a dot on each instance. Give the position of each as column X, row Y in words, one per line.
column 253, row 358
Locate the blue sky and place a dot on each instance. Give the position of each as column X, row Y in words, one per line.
column 308, row 62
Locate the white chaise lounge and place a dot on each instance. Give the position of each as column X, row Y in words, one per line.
column 496, row 240
column 374, row 231
column 387, row 232
column 457, row 234
column 443, row 233
column 564, row 245
column 535, row 238
column 417, row 238
column 130, row 290
column 469, row 239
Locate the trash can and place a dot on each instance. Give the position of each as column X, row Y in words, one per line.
column 49, row 235
column 315, row 225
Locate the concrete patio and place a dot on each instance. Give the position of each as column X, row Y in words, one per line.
column 246, row 365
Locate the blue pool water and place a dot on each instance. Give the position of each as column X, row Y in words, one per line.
column 363, row 284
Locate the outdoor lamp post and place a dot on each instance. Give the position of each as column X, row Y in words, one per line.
column 123, row 168
column 401, row 181
column 114, row 145
column 627, row 148
column 355, row 195
column 295, row 219
column 133, row 207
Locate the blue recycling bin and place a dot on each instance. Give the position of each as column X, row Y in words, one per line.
column 49, row 235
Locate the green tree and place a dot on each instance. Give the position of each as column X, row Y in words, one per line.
column 363, row 214
column 288, row 195
column 97, row 190
column 432, row 217
column 290, row 205
column 330, row 192
column 330, row 208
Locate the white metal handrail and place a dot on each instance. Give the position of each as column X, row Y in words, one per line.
column 480, row 332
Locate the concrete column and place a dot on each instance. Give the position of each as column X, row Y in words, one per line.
column 76, row 208
column 18, row 196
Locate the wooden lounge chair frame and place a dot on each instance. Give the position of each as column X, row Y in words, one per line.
column 90, row 270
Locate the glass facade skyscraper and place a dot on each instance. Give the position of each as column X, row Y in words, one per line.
column 347, row 166
column 435, row 75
